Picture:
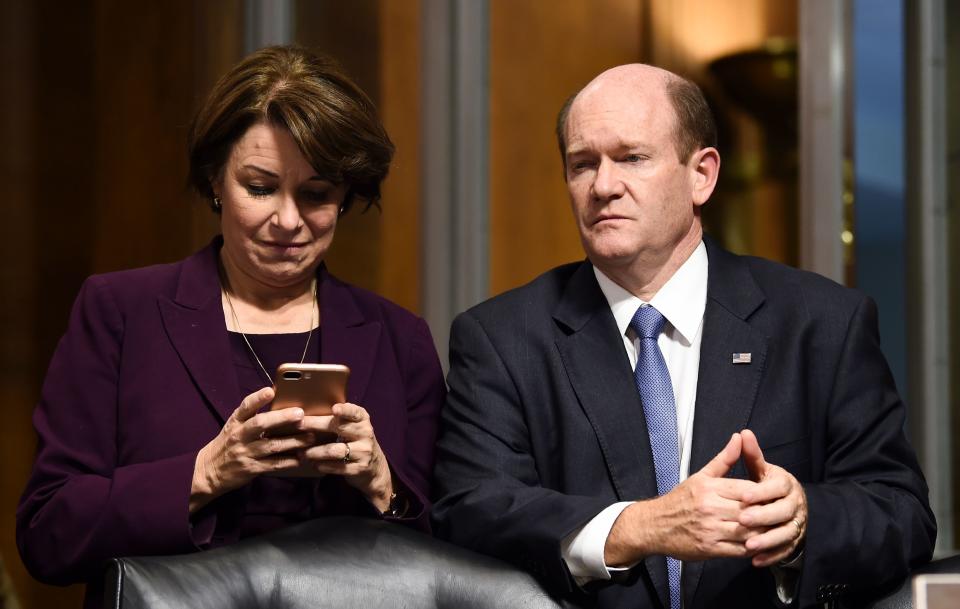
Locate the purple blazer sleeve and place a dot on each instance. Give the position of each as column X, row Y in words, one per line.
column 80, row 507
column 425, row 393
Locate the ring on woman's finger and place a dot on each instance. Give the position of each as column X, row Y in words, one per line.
column 795, row 522
column 346, row 457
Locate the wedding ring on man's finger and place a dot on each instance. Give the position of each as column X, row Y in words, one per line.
column 346, row 457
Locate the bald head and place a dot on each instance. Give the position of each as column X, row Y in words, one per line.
column 693, row 128
column 632, row 76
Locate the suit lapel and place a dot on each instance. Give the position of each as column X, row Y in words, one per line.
column 194, row 322
column 597, row 366
column 725, row 391
column 347, row 337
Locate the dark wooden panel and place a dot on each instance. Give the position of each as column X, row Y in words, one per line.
column 97, row 160
column 400, row 107
column 540, row 53
column 349, row 32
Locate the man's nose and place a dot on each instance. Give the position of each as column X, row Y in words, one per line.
column 607, row 184
column 287, row 215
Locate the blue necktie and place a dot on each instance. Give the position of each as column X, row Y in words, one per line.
column 656, row 393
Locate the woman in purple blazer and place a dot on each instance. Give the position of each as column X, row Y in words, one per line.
column 155, row 435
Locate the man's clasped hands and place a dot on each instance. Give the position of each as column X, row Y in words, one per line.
column 710, row 516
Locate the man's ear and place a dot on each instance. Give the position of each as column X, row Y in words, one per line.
column 704, row 167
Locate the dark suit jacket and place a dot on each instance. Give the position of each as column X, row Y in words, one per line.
column 543, row 428
column 143, row 378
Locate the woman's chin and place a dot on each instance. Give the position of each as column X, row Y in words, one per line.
column 282, row 275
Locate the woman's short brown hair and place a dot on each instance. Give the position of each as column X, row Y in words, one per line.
column 333, row 122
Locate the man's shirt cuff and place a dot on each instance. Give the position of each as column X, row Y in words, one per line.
column 583, row 548
column 786, row 576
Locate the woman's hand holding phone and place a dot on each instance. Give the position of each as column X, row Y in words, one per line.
column 355, row 453
column 249, row 444
column 302, row 434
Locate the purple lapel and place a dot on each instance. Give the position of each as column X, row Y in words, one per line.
column 347, row 337
column 194, row 322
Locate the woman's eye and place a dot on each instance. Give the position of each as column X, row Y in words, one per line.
column 256, row 190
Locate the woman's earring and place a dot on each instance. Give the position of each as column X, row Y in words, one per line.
column 342, row 207
column 217, row 204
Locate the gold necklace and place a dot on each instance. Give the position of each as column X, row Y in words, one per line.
column 236, row 322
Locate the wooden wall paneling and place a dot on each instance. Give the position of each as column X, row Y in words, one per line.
column 400, row 109
column 218, row 29
column 144, row 75
column 60, row 161
column 690, row 33
column 350, row 32
column 18, row 275
column 106, row 90
column 18, row 282
column 686, row 36
column 66, row 167
column 540, row 53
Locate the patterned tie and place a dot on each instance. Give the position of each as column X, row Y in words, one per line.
column 659, row 408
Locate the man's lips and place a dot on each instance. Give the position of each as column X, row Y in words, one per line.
column 606, row 218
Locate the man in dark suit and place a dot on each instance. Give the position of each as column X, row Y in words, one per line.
column 667, row 424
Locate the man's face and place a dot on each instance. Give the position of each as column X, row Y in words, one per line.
column 631, row 195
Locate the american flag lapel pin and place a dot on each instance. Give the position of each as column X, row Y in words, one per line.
column 741, row 358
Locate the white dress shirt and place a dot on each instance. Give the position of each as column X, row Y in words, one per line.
column 681, row 301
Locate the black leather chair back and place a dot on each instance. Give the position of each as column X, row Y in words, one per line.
column 335, row 563
column 342, row 563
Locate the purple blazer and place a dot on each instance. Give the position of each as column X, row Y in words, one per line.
column 143, row 379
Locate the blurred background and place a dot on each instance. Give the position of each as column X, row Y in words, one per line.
column 840, row 137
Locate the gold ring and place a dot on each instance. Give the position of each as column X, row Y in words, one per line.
column 346, row 457
column 799, row 527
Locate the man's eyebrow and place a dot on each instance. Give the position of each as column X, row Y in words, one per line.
column 620, row 145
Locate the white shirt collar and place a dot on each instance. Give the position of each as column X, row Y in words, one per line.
column 682, row 299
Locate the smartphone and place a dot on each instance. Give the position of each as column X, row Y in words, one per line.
column 313, row 387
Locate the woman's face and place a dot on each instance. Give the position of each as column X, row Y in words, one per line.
column 277, row 217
